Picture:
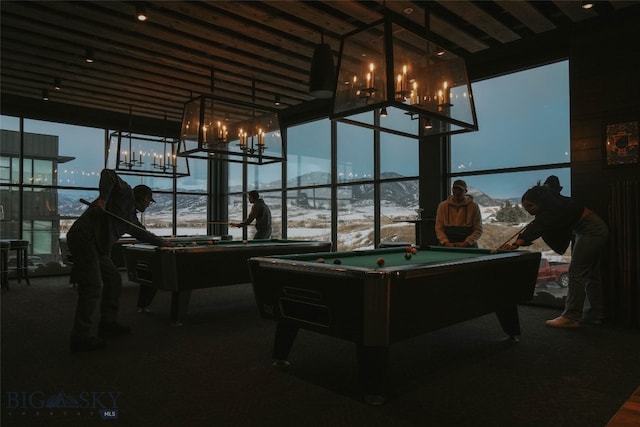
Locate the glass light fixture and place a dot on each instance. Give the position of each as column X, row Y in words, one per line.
column 390, row 65
column 145, row 155
column 230, row 130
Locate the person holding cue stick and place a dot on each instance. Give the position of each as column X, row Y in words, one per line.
column 259, row 212
column 557, row 220
column 504, row 245
column 90, row 239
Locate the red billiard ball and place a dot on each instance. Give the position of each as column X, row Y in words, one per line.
column 409, row 248
column 320, row 260
column 337, row 261
column 407, row 255
column 414, row 250
column 380, row 261
column 210, row 242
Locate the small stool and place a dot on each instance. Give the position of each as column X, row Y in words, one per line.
column 22, row 259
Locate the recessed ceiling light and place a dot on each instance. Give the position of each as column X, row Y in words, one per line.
column 141, row 13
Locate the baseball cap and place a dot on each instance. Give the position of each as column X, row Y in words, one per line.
column 143, row 191
column 460, row 184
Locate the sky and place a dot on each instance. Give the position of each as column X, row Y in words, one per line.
column 523, row 120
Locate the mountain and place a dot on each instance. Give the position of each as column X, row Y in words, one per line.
column 398, row 193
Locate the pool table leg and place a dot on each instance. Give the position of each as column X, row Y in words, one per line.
column 146, row 295
column 283, row 342
column 373, row 364
column 509, row 320
column 179, row 305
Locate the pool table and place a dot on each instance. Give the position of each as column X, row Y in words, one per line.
column 202, row 263
column 349, row 295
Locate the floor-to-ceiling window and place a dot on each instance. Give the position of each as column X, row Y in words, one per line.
column 46, row 168
column 308, row 172
column 523, row 138
column 349, row 184
column 347, row 191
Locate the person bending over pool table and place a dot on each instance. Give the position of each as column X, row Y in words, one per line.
column 90, row 239
column 558, row 219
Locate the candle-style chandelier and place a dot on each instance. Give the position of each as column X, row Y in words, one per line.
column 145, row 155
column 215, row 127
column 392, row 79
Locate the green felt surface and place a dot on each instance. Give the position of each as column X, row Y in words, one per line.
column 237, row 243
column 393, row 257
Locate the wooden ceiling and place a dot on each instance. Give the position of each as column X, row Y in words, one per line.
column 152, row 68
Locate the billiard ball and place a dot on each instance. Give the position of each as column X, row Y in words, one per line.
column 493, row 251
column 337, row 261
column 244, row 242
column 320, row 260
column 407, row 255
column 414, row 251
column 409, row 248
column 194, row 243
column 210, row 242
column 380, row 261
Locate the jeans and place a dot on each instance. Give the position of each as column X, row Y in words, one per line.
column 584, row 296
column 98, row 279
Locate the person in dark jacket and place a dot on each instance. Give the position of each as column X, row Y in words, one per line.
column 259, row 212
column 557, row 220
column 90, row 239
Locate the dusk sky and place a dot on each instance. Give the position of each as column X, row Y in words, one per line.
column 523, row 120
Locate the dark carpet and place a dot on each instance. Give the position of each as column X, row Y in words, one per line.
column 216, row 369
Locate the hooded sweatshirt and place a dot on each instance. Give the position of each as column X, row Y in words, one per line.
column 452, row 213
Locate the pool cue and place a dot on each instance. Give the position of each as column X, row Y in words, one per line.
column 116, row 217
column 509, row 239
column 219, row 222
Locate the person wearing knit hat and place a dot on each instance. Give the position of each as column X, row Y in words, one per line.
column 458, row 219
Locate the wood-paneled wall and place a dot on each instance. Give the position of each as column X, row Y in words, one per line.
column 605, row 89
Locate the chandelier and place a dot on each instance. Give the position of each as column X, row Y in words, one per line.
column 145, row 155
column 393, row 79
column 215, row 127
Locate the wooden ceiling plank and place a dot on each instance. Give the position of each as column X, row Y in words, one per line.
column 164, row 41
column 438, row 25
column 481, row 20
column 286, row 82
column 527, row 14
